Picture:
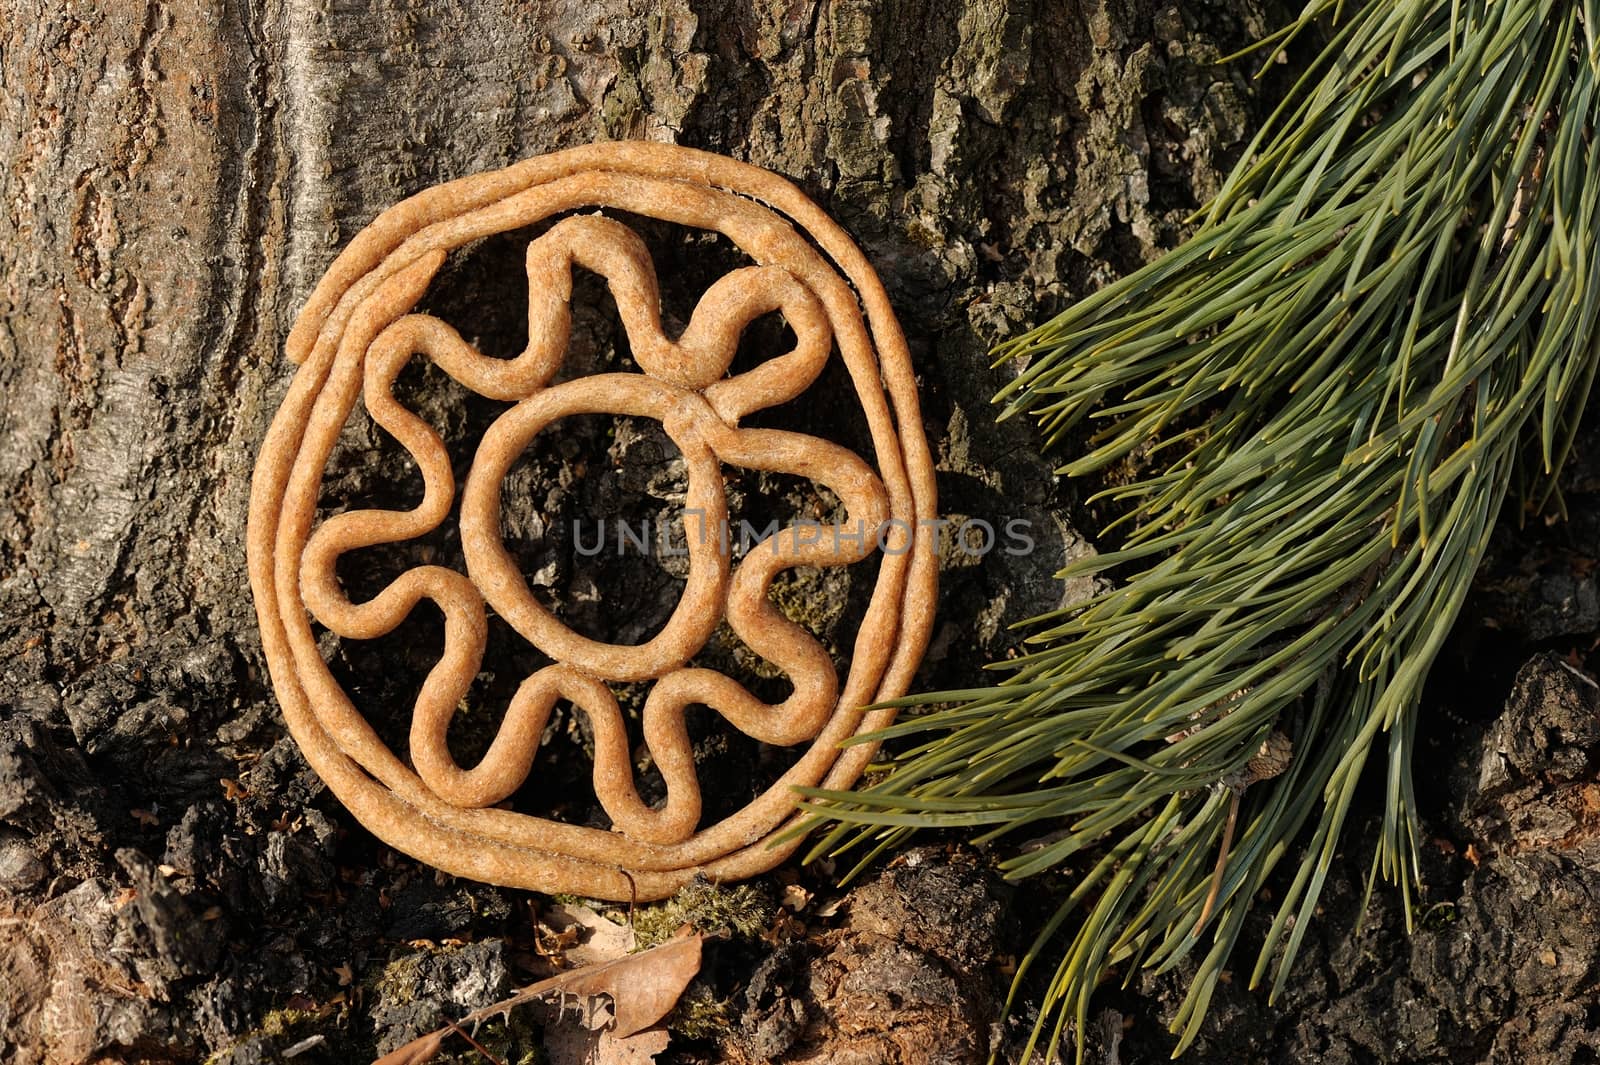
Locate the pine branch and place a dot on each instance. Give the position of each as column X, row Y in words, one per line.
column 1327, row 395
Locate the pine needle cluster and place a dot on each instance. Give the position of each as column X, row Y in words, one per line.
column 1383, row 330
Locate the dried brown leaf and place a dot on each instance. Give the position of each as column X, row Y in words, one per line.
column 598, row 939
column 638, row 1049
column 640, row 990
column 567, row 1046
column 643, row 986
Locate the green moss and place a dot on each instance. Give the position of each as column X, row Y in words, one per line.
column 1433, row 918
column 741, row 910
column 284, row 1021
column 510, row 1038
column 700, row 1014
column 398, row 980
column 808, row 598
column 285, row 1026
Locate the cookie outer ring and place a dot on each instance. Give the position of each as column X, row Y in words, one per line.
column 493, row 845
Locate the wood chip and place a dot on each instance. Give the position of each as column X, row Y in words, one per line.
column 795, row 898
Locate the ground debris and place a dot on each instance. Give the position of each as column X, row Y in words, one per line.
column 1498, row 963
column 909, row 977
column 616, row 1001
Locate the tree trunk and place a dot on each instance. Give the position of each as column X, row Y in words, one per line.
column 178, row 177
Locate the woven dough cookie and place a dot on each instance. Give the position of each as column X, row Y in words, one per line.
column 357, row 333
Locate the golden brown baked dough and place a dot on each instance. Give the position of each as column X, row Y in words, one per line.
column 355, row 335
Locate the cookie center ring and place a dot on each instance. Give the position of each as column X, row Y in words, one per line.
column 501, row 581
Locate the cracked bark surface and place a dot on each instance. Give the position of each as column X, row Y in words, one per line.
column 176, row 176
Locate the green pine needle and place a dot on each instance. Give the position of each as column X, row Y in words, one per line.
column 1326, row 396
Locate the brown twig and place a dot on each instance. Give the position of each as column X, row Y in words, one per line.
column 1222, row 860
column 479, row 1047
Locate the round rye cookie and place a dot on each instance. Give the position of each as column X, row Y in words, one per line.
column 356, row 334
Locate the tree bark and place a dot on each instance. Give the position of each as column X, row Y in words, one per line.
column 178, row 175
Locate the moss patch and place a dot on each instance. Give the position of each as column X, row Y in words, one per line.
column 741, row 910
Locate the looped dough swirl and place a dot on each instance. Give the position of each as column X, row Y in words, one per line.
column 358, row 332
